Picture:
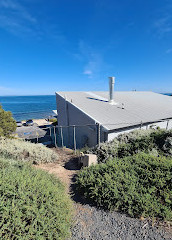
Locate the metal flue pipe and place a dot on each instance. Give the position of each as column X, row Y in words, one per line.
column 111, row 89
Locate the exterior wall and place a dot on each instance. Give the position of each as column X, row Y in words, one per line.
column 62, row 120
column 69, row 115
column 112, row 135
column 85, row 135
column 61, row 110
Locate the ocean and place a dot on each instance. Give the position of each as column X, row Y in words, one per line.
column 29, row 107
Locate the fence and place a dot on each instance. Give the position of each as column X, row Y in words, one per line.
column 74, row 136
column 77, row 136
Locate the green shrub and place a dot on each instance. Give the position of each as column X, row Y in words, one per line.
column 7, row 123
column 33, row 204
column 139, row 185
column 26, row 151
column 149, row 141
column 54, row 121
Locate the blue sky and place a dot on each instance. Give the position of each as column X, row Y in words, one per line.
column 74, row 45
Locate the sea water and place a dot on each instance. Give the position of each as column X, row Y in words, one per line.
column 29, row 107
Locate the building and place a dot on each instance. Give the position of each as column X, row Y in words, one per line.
column 88, row 118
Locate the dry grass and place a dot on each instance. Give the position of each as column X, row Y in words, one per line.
column 26, row 151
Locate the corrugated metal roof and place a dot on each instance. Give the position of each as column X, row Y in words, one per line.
column 138, row 107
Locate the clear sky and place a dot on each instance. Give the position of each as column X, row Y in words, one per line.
column 74, row 45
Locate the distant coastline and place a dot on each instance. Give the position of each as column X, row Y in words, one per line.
column 29, row 107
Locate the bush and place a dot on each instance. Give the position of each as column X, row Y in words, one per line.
column 150, row 141
column 7, row 123
column 26, row 151
column 167, row 147
column 54, row 121
column 33, row 204
column 139, row 185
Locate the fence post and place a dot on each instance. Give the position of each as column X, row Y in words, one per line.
column 61, row 133
column 167, row 125
column 74, row 138
column 98, row 134
column 55, row 139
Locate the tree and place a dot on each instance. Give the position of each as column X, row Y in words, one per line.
column 7, row 123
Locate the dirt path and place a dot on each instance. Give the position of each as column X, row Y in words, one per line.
column 65, row 169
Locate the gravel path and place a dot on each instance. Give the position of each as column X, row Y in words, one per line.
column 94, row 224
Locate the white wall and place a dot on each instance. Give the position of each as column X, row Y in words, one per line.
column 162, row 125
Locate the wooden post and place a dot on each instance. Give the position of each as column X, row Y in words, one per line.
column 74, row 138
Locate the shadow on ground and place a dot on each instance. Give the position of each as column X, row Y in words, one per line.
column 73, row 164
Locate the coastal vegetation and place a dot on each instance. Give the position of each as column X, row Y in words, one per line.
column 139, row 185
column 18, row 149
column 7, row 123
column 154, row 142
column 134, row 175
column 33, row 203
column 21, row 150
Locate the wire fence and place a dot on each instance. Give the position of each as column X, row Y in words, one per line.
column 78, row 136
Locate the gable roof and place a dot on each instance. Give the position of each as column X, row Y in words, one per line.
column 139, row 107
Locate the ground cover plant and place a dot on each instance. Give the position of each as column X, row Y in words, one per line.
column 22, row 150
column 155, row 142
column 33, row 204
column 139, row 185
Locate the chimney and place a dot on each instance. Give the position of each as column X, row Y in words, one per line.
column 111, row 89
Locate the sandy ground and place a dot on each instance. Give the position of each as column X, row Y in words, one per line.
column 40, row 122
column 56, row 169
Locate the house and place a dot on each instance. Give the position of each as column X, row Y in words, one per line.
column 88, row 118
